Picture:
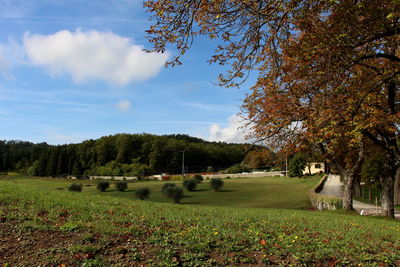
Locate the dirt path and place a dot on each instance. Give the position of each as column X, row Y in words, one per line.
column 334, row 187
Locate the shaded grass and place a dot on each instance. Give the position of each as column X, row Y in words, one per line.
column 192, row 235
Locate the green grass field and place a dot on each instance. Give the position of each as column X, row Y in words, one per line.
column 268, row 192
column 208, row 229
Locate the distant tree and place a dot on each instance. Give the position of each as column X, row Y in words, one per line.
column 105, row 149
column 124, row 148
column 258, row 158
column 53, row 162
column 296, row 166
column 237, row 168
column 77, row 168
column 372, row 169
column 61, row 164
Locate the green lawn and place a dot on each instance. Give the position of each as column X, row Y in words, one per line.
column 105, row 229
column 268, row 192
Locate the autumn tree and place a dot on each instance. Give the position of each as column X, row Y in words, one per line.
column 258, row 158
column 328, row 71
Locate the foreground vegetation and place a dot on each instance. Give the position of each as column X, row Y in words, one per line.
column 98, row 229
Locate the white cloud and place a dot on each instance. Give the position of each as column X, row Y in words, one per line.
column 124, row 105
column 210, row 107
column 235, row 132
column 93, row 55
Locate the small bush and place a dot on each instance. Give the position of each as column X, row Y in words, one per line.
column 216, row 184
column 173, row 192
column 143, row 193
column 75, row 187
column 102, row 186
column 198, row 178
column 176, row 194
column 165, row 188
column 190, row 185
column 121, row 186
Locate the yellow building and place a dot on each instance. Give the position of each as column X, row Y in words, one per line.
column 314, row 167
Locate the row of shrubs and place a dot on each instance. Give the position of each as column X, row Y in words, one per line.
column 102, row 186
column 170, row 190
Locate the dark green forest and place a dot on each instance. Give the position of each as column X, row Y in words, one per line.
column 121, row 154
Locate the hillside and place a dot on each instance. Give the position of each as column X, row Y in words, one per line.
column 121, row 154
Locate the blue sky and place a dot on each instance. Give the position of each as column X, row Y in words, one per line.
column 74, row 70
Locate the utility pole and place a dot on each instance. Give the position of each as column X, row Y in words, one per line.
column 183, row 162
column 286, row 166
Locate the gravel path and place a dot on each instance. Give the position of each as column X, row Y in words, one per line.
column 334, row 187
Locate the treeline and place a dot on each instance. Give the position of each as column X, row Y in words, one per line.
column 121, row 154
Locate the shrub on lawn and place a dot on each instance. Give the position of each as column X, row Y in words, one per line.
column 216, row 184
column 121, row 186
column 75, row 187
column 176, row 194
column 198, row 178
column 102, row 186
column 165, row 188
column 173, row 192
column 190, row 185
column 143, row 193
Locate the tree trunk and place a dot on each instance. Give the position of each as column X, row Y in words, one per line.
column 387, row 197
column 350, row 175
column 388, row 188
column 348, row 191
column 327, row 168
column 397, row 188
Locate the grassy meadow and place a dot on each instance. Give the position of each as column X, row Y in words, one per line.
column 252, row 222
column 268, row 192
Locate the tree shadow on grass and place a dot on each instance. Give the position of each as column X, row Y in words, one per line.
column 190, row 203
column 201, row 190
column 227, row 190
